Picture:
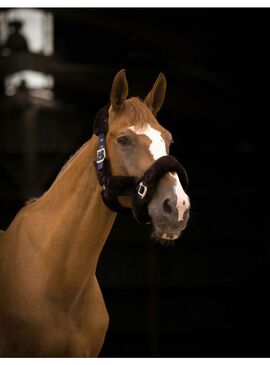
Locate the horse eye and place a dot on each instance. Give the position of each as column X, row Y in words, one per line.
column 124, row 141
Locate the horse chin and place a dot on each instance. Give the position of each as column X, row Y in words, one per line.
column 165, row 237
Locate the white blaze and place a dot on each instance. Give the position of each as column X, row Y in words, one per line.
column 182, row 198
column 158, row 149
column 157, row 146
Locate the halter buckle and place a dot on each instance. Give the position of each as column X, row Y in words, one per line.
column 101, row 154
column 141, row 190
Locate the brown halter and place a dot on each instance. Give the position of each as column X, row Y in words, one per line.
column 140, row 189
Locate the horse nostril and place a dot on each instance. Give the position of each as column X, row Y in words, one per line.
column 186, row 215
column 167, row 206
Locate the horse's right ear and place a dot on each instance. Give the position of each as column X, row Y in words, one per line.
column 155, row 98
column 119, row 90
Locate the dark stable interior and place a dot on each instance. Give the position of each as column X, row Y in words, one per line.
column 208, row 295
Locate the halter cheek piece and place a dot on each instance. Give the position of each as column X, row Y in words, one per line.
column 141, row 190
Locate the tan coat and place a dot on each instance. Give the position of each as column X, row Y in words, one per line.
column 50, row 301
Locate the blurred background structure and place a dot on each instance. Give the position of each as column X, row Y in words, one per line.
column 208, row 295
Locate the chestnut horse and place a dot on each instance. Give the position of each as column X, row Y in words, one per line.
column 50, row 301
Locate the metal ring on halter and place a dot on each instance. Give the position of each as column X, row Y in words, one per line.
column 141, row 190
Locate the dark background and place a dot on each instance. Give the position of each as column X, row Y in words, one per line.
column 209, row 294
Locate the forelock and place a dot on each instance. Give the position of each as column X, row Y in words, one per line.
column 138, row 112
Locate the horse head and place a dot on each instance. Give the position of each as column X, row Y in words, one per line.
column 135, row 140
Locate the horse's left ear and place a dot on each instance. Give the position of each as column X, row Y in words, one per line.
column 119, row 90
column 156, row 96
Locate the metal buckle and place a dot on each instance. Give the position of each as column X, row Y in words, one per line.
column 141, row 190
column 101, row 154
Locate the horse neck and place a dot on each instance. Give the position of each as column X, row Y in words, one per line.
column 77, row 222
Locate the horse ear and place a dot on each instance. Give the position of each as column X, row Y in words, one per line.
column 156, row 96
column 119, row 90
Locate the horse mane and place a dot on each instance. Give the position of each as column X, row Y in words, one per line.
column 70, row 160
column 66, row 165
column 31, row 200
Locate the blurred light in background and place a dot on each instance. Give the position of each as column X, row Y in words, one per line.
column 32, row 80
column 27, row 30
column 37, row 28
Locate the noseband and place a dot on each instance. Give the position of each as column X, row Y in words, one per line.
column 141, row 190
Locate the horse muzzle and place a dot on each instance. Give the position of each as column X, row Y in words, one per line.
column 167, row 220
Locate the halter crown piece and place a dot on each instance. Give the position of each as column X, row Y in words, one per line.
column 140, row 189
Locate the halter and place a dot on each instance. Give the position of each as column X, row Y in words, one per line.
column 140, row 189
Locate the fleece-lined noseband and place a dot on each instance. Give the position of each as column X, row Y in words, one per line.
column 140, row 189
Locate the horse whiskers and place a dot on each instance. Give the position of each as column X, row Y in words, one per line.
column 167, row 243
column 155, row 237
